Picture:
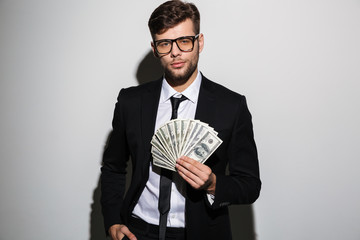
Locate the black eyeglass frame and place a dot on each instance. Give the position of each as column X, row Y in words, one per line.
column 175, row 40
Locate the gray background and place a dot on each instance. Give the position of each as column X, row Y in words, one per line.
column 62, row 64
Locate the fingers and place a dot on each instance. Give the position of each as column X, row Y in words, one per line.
column 118, row 231
column 113, row 231
column 127, row 232
column 195, row 173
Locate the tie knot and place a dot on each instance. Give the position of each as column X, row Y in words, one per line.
column 175, row 102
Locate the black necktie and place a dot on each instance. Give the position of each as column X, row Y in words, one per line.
column 165, row 180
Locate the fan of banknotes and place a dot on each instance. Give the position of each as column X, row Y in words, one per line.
column 183, row 137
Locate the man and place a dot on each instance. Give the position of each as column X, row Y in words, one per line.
column 200, row 193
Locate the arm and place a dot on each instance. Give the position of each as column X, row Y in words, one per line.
column 242, row 185
column 113, row 173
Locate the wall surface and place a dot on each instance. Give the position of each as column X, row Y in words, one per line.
column 62, row 64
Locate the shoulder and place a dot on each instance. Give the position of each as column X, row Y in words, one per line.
column 221, row 91
column 138, row 91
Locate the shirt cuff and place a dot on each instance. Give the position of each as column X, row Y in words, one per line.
column 211, row 198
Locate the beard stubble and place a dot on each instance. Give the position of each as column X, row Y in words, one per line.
column 179, row 79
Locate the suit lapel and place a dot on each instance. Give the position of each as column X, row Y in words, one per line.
column 206, row 102
column 149, row 106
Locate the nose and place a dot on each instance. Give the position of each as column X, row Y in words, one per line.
column 175, row 51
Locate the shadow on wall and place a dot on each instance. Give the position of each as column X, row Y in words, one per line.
column 242, row 220
column 97, row 231
column 149, row 69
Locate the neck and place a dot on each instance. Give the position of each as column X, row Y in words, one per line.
column 180, row 86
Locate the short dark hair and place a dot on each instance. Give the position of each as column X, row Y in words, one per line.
column 170, row 14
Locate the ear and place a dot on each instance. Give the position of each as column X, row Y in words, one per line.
column 201, row 42
column 153, row 50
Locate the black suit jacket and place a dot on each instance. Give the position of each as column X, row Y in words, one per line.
column 133, row 127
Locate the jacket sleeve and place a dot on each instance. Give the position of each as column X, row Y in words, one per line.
column 242, row 185
column 113, row 171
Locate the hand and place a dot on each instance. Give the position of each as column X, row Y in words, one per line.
column 118, row 231
column 198, row 175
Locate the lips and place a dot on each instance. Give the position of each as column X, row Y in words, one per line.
column 177, row 64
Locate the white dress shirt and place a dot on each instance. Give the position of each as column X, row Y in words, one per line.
column 147, row 206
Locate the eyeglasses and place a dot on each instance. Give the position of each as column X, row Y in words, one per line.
column 185, row 44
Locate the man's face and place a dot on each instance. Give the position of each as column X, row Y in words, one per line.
column 180, row 66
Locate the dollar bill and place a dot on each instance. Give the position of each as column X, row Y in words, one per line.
column 160, row 150
column 205, row 147
column 163, row 130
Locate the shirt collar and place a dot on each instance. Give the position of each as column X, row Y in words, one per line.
column 191, row 92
